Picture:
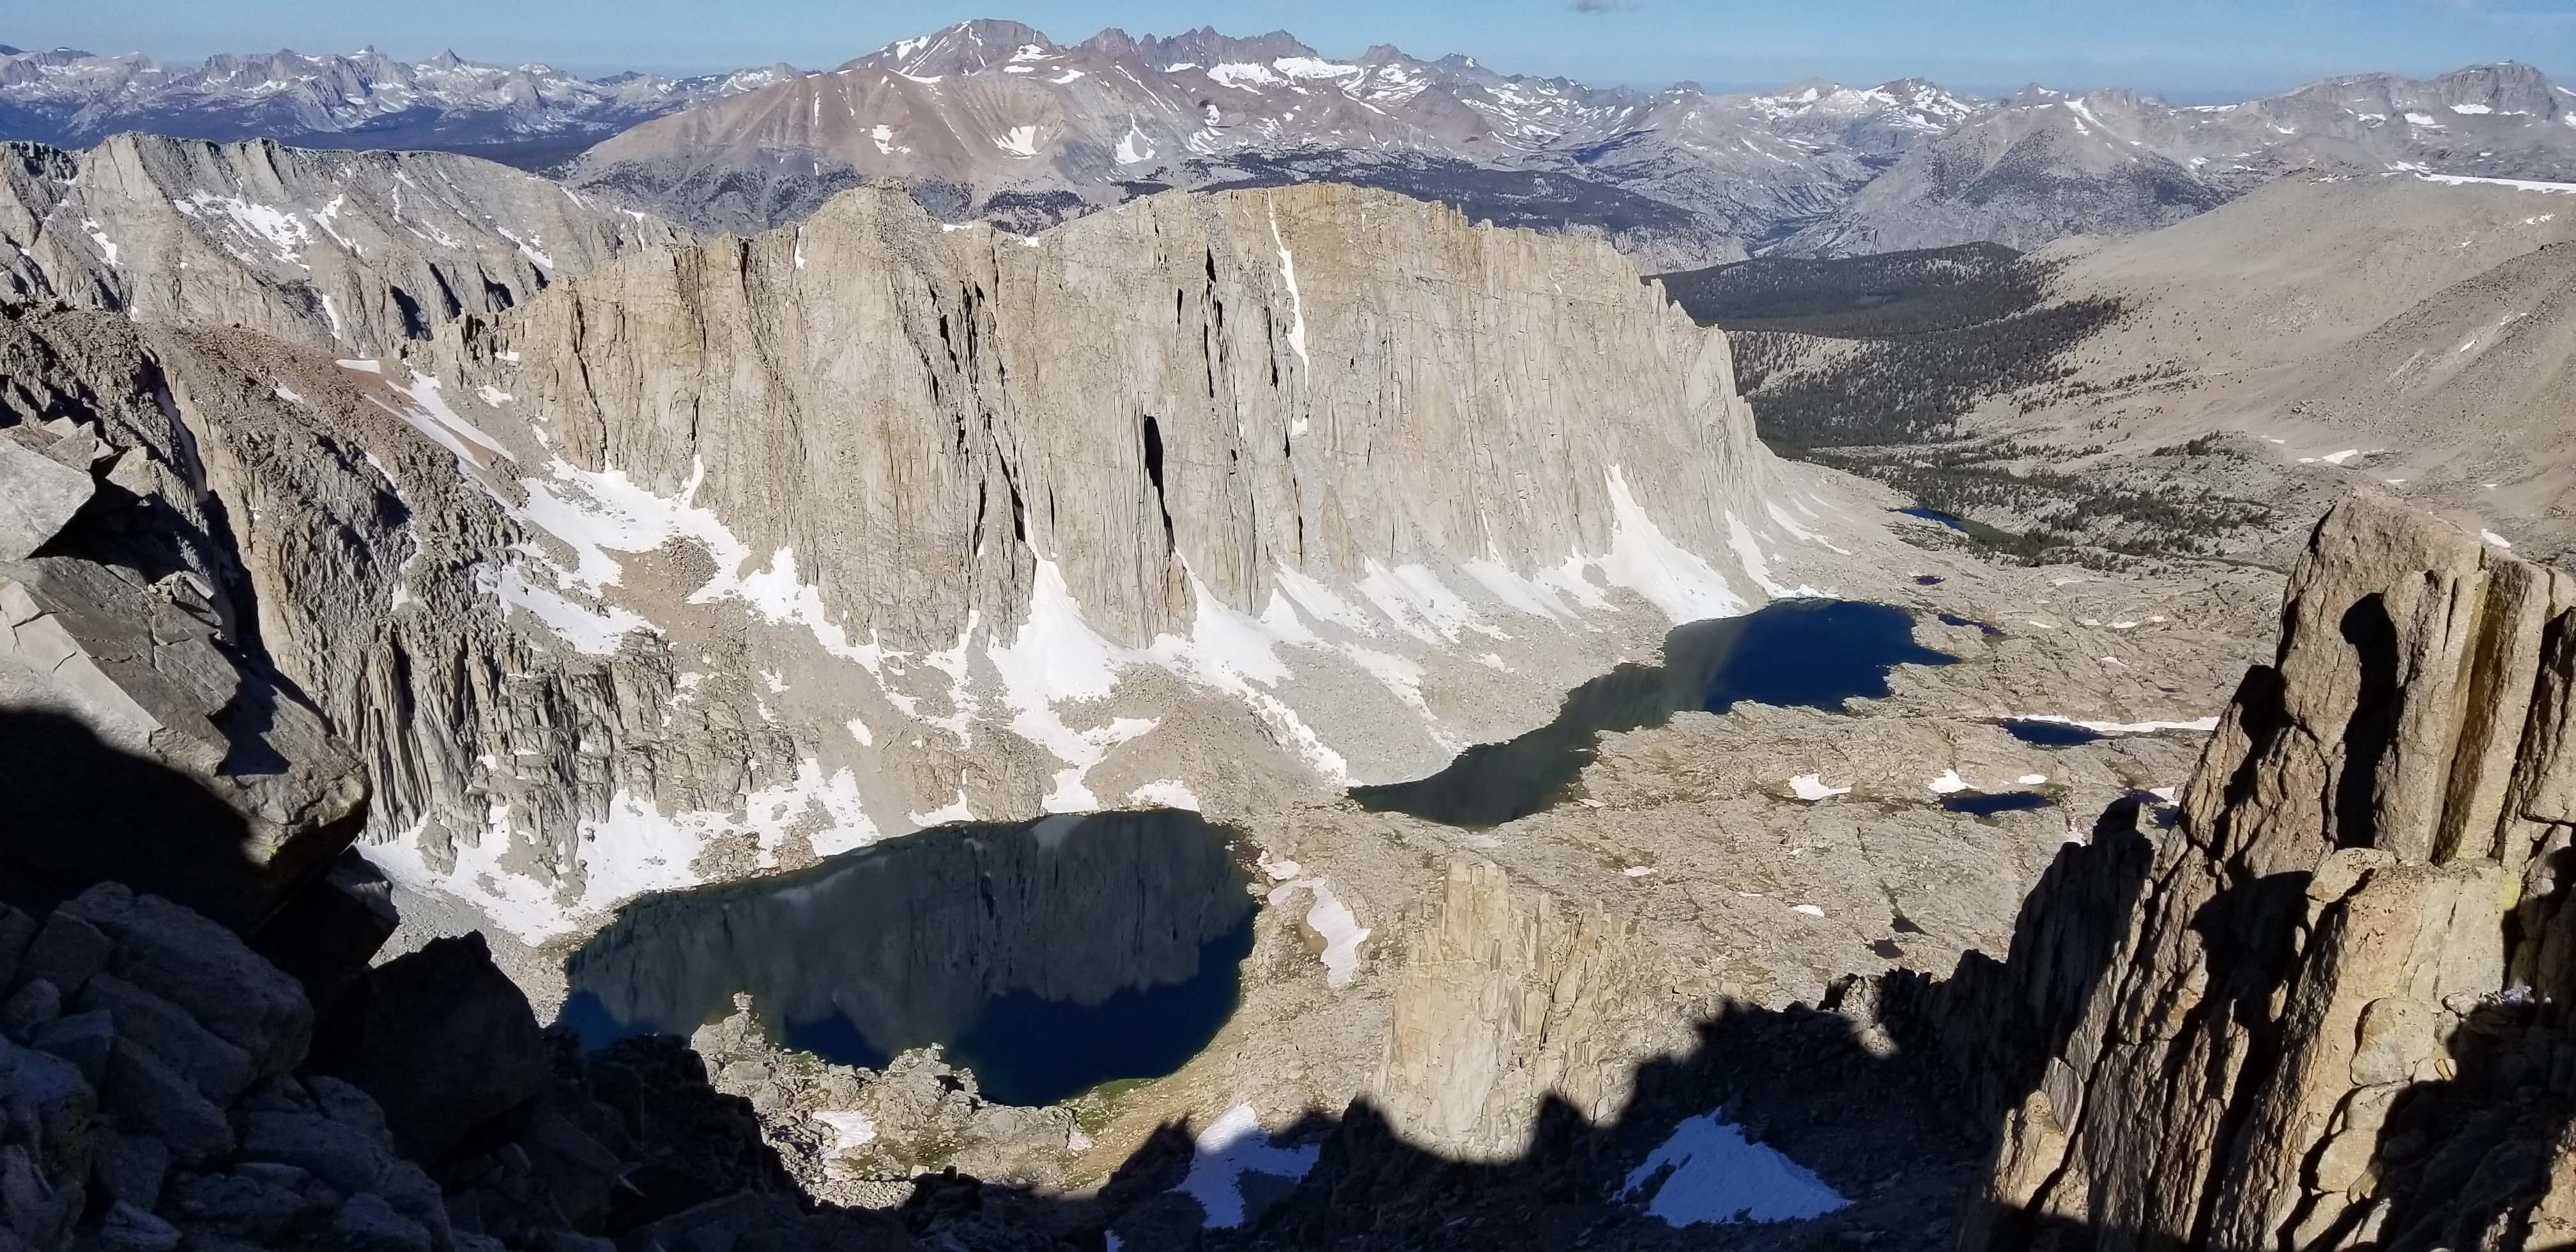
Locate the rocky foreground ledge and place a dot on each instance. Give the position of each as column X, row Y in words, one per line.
column 166, row 1087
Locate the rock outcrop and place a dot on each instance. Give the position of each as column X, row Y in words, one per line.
column 146, row 734
column 2335, row 1013
column 1505, row 999
column 1311, row 379
column 160, row 1094
column 720, row 557
column 354, row 252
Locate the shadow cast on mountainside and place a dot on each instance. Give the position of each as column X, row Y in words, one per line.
column 1891, row 1094
column 76, row 810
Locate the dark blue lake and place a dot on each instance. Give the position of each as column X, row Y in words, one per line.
column 1950, row 520
column 2046, row 734
column 1048, row 957
column 1804, row 653
column 1989, row 803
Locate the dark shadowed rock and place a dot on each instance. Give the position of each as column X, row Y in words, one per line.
column 30, row 1006
column 444, row 1042
column 145, row 1095
column 84, row 1039
column 241, row 1205
column 367, row 1223
column 220, row 1070
column 129, row 1227
column 201, row 967
column 64, row 1107
column 66, row 951
column 16, row 931
column 130, row 1169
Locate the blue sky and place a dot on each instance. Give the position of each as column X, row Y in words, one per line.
column 2187, row 48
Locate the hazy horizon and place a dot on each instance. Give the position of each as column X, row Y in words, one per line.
column 1985, row 49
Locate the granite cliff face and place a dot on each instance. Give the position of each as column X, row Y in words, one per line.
column 1506, row 998
column 723, row 558
column 2330, row 1011
column 1213, row 388
column 348, row 251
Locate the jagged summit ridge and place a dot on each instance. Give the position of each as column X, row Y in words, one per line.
column 347, row 251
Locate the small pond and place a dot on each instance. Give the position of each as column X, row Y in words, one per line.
column 1048, row 957
column 1806, row 653
column 2043, row 733
column 1993, row 536
column 1989, row 803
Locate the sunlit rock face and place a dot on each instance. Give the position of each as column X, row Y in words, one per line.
column 718, row 560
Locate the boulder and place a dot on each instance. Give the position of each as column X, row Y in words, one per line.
column 130, row 1169
column 146, row 1096
column 65, row 952
column 444, row 1042
column 84, row 1039
column 238, row 1205
column 38, row 496
column 33, row 1004
column 341, row 1139
column 50, row 1093
column 132, row 1228
column 367, row 1223
column 220, row 1070
column 180, row 956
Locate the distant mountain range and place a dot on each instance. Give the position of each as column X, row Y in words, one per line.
column 2042, row 164
column 365, row 99
column 999, row 120
column 994, row 119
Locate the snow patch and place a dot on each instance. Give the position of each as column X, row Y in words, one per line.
column 1165, row 793
column 1748, row 554
column 528, row 248
column 1234, row 1145
column 1327, row 916
column 1643, row 560
column 1811, row 788
column 1716, row 1175
column 851, row 1130
column 1133, row 147
column 1021, row 141
column 1296, row 302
